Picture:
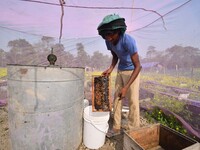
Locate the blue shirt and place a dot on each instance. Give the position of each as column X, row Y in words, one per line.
column 124, row 49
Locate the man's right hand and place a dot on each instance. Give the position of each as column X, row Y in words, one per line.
column 107, row 72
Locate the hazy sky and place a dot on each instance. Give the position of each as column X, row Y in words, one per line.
column 32, row 20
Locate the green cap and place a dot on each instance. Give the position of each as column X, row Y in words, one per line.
column 109, row 18
column 110, row 23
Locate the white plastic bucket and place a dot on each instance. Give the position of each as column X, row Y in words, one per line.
column 85, row 103
column 95, row 128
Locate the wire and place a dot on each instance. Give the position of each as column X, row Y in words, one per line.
column 21, row 31
column 94, row 7
column 161, row 17
column 89, row 7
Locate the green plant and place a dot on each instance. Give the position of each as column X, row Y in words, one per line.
column 3, row 72
column 167, row 120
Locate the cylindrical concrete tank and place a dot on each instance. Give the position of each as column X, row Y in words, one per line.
column 45, row 107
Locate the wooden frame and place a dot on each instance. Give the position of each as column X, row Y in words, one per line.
column 101, row 99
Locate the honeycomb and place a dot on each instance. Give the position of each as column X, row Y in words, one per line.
column 101, row 93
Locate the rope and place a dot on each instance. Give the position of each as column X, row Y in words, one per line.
column 62, row 2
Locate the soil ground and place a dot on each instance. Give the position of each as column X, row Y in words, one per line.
column 4, row 130
column 114, row 143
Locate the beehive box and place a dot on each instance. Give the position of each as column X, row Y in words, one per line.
column 158, row 137
column 101, row 94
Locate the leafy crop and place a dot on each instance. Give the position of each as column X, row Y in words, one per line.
column 181, row 81
column 3, row 72
column 167, row 120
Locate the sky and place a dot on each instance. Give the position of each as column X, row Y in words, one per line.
column 32, row 19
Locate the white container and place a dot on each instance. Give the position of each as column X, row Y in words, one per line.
column 85, row 103
column 95, row 128
column 45, row 107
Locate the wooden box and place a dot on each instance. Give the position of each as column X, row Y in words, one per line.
column 101, row 93
column 158, row 137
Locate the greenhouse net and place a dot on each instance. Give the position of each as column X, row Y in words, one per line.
column 167, row 35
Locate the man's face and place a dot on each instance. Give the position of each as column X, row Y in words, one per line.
column 112, row 37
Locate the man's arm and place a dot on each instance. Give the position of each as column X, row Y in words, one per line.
column 136, row 71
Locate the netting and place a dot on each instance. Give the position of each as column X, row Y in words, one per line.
column 152, row 23
column 167, row 35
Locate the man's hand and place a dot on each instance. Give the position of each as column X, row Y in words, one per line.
column 122, row 93
column 107, row 72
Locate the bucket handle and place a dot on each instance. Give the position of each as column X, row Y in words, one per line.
column 101, row 130
column 93, row 124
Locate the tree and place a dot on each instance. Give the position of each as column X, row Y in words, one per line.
column 151, row 52
column 47, row 41
column 69, row 59
column 100, row 61
column 21, row 51
column 63, row 58
column 43, row 49
column 183, row 57
column 2, row 58
column 96, row 60
column 82, row 59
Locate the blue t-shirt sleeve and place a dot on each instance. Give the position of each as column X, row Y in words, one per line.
column 130, row 44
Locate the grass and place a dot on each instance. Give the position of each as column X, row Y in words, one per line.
column 3, row 72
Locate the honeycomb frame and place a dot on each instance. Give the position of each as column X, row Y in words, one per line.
column 101, row 99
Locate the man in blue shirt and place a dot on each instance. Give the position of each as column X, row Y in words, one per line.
column 123, row 49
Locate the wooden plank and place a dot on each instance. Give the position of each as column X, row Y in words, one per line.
column 171, row 139
column 130, row 143
column 147, row 137
column 142, row 138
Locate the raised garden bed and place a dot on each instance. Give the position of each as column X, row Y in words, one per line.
column 158, row 137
